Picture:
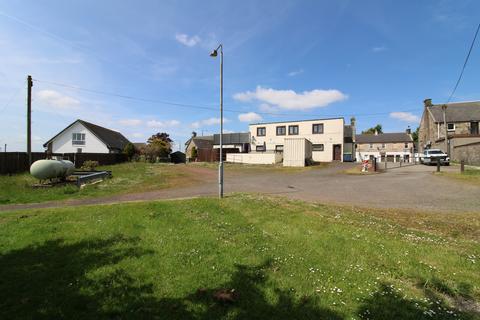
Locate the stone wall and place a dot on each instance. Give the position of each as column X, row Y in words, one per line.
column 389, row 147
column 470, row 153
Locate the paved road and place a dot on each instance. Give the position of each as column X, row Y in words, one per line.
column 412, row 187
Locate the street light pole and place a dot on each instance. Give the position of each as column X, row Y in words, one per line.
column 220, row 166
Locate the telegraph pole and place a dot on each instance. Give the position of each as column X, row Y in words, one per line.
column 29, row 119
column 444, row 108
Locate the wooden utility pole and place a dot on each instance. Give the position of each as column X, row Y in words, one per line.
column 447, row 149
column 29, row 119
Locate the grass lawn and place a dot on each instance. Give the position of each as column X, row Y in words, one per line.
column 127, row 177
column 469, row 175
column 245, row 257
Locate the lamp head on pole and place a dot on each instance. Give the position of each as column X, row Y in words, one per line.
column 214, row 53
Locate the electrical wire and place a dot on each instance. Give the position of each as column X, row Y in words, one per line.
column 464, row 64
column 192, row 106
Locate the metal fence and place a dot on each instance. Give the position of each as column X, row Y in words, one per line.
column 17, row 162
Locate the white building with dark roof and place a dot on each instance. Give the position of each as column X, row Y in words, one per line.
column 86, row 137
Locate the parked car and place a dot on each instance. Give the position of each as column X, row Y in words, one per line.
column 432, row 156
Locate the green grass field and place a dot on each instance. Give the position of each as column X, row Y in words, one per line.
column 471, row 176
column 127, row 177
column 245, row 257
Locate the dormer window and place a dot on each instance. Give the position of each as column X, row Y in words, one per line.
column 78, row 139
column 451, row 126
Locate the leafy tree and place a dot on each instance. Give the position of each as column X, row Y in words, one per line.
column 158, row 145
column 194, row 153
column 129, row 150
column 415, row 135
column 372, row 130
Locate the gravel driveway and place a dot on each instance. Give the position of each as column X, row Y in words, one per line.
column 413, row 187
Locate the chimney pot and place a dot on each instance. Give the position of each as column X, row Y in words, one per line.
column 427, row 102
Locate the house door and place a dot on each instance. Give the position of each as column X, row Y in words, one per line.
column 337, row 152
column 474, row 128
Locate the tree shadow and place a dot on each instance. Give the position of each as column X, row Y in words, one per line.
column 387, row 303
column 255, row 297
column 50, row 281
column 60, row 280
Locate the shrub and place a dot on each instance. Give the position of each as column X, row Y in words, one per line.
column 129, row 150
column 90, row 165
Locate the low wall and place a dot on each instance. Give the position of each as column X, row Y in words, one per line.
column 470, row 153
column 254, row 158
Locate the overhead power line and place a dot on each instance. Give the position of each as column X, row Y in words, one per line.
column 464, row 64
column 213, row 108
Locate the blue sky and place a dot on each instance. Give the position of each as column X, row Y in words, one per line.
column 284, row 60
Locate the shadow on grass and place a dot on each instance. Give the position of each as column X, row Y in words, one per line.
column 51, row 280
column 82, row 280
column 387, row 303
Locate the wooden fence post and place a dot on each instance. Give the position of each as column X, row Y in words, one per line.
column 462, row 166
column 438, row 165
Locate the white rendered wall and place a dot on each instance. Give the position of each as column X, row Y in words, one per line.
column 254, row 158
column 63, row 142
column 333, row 132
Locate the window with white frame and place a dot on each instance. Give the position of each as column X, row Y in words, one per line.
column 281, row 130
column 78, row 139
column 317, row 147
column 451, row 126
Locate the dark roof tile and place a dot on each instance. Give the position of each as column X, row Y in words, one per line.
column 457, row 112
column 383, row 138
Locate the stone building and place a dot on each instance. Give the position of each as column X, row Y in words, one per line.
column 462, row 130
column 390, row 147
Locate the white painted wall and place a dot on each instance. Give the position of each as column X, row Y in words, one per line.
column 254, row 158
column 63, row 143
column 333, row 132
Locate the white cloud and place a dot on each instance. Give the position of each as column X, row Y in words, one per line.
column 208, row 122
column 295, row 73
column 379, row 49
column 163, row 124
column 55, row 99
column 187, row 40
column 137, row 135
column 405, row 116
column 265, row 107
column 249, row 117
column 130, row 122
column 290, row 100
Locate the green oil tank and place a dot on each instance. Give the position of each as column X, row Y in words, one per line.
column 50, row 169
